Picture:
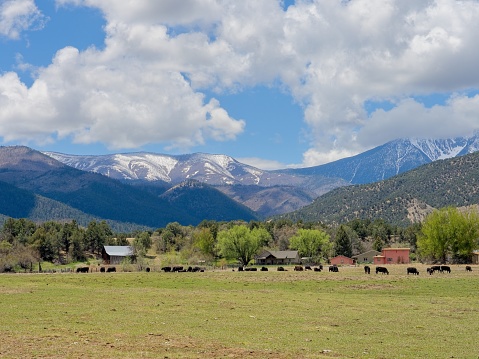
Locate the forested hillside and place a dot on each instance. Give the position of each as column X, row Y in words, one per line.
column 403, row 198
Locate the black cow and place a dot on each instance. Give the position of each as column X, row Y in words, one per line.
column 317, row 269
column 446, row 269
column 382, row 270
column 83, row 269
column 111, row 269
column 177, row 269
column 298, row 268
column 307, row 267
column 333, row 268
column 251, row 269
column 147, row 269
column 240, row 269
column 468, row 269
column 412, row 270
column 436, row 269
column 429, row 271
column 166, row 269
column 280, row 269
column 367, row 270
column 102, row 269
column 264, row 269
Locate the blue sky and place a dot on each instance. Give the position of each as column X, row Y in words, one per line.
column 270, row 83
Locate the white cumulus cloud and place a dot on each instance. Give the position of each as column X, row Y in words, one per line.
column 17, row 16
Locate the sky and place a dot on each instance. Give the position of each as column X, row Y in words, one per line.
column 272, row 83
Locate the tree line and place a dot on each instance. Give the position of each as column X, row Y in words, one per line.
column 446, row 235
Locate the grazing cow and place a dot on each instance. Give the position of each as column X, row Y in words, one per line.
column 111, row 269
column 446, row 269
column 280, row 269
column 251, row 269
column 333, row 268
column 298, row 268
column 102, row 269
column 412, row 270
column 436, row 268
column 429, row 271
column 197, row 269
column 166, row 269
column 264, row 269
column 317, row 269
column 367, row 270
column 307, row 267
column 240, row 269
column 468, row 269
column 382, row 270
column 83, row 269
column 147, row 269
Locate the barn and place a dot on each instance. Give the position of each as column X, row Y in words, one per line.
column 393, row 256
column 116, row 254
column 277, row 257
column 341, row 260
column 366, row 257
column 475, row 257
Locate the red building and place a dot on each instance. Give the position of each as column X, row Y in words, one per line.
column 341, row 260
column 393, row 256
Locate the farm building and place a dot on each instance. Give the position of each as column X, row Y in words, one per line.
column 392, row 256
column 341, row 260
column 475, row 257
column 278, row 257
column 366, row 257
column 116, row 254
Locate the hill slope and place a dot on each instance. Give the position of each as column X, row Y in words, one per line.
column 403, row 198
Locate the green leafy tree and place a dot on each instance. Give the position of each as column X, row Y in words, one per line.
column 311, row 243
column 448, row 233
column 142, row 243
column 240, row 242
column 204, row 240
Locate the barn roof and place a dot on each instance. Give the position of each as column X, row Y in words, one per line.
column 278, row 254
column 119, row 251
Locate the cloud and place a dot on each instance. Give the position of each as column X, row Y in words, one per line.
column 17, row 16
column 147, row 85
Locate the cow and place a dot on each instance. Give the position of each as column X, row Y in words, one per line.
column 240, row 269
column 468, row 269
column 436, row 268
column 307, row 267
column 111, row 269
column 264, row 269
column 382, row 270
column 412, row 270
column 317, row 269
column 83, row 269
column 102, row 269
column 166, row 269
column 177, row 269
column 333, row 268
column 446, row 269
column 251, row 269
column 298, row 268
column 367, row 270
column 280, row 269
column 429, row 271
column 147, row 269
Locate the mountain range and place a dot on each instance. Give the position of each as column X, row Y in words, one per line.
column 150, row 190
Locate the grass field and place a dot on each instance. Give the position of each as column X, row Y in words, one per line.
column 226, row 314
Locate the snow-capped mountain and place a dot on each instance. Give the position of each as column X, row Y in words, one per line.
column 393, row 158
column 207, row 168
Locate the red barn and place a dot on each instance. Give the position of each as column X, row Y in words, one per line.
column 393, row 256
column 341, row 260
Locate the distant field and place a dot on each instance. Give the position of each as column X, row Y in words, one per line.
column 226, row 314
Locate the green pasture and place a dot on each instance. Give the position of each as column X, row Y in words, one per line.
column 230, row 314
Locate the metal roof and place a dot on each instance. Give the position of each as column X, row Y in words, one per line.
column 119, row 251
column 278, row 254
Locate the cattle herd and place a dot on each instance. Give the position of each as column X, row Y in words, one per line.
column 333, row 268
